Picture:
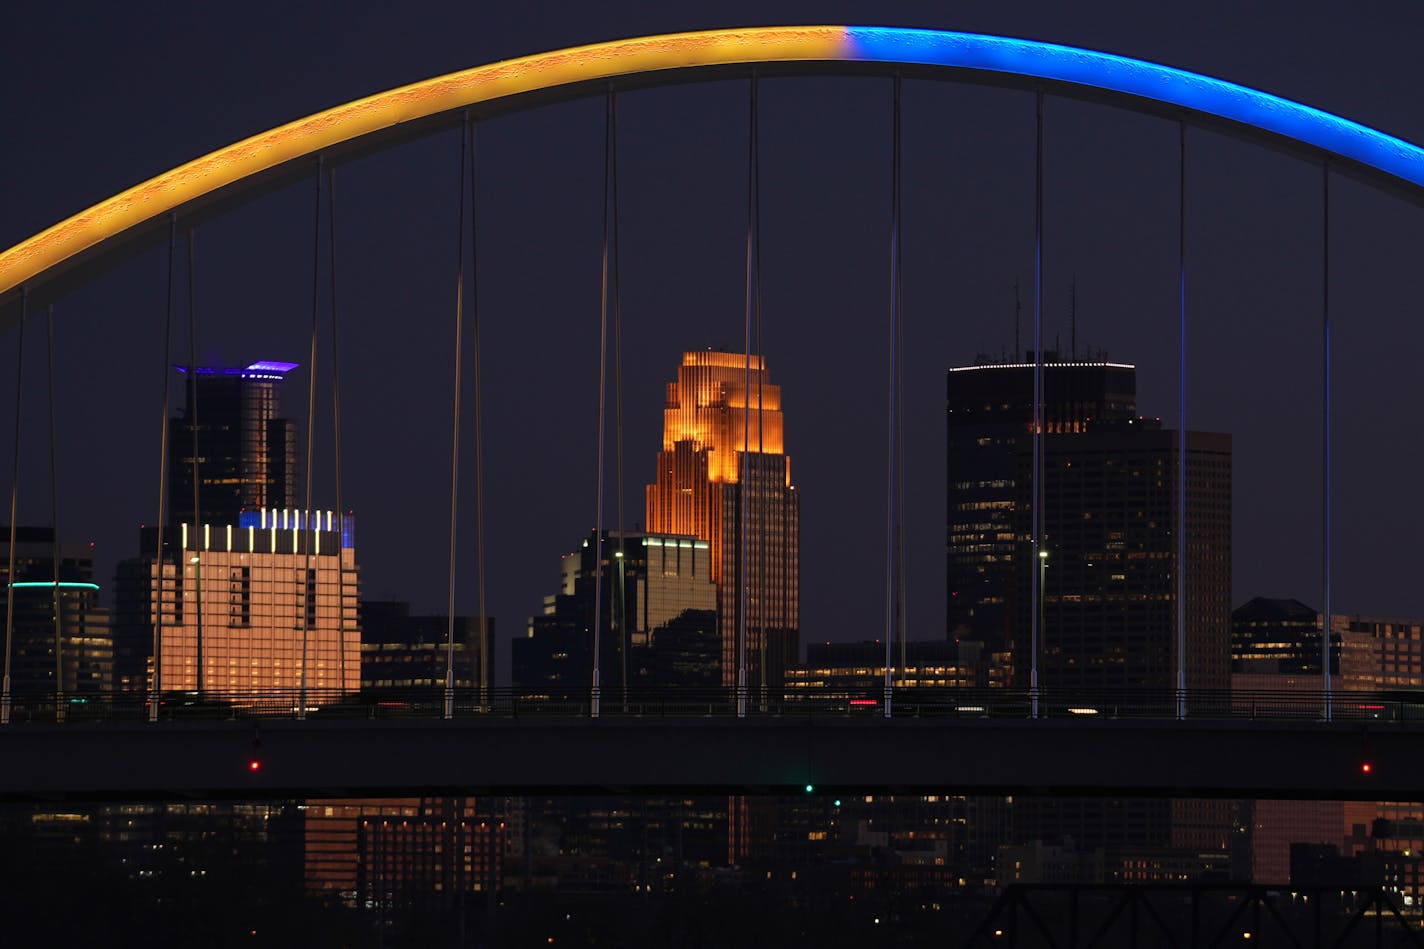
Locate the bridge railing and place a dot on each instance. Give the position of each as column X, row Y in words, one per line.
column 1391, row 707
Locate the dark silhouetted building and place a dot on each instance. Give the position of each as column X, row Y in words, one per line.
column 401, row 651
column 85, row 661
column 1110, row 515
column 659, row 618
column 1109, row 501
column 990, row 427
column 1272, row 636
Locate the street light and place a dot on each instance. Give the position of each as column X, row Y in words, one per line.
column 1042, row 581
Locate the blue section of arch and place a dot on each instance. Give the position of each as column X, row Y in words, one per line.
column 1134, row 77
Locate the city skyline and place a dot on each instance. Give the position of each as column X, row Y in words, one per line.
column 1134, row 543
column 1250, row 378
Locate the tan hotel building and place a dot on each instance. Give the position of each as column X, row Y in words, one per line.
column 242, row 609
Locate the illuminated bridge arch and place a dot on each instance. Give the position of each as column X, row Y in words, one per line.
column 274, row 156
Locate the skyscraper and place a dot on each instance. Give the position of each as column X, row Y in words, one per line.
column 723, row 465
column 990, row 426
column 248, row 451
column 1110, row 505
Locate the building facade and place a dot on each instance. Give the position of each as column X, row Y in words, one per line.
column 1106, row 510
column 1278, row 636
column 248, row 612
column 1111, row 506
column 61, row 640
column 658, row 623
column 990, row 427
column 723, row 467
column 404, row 652
column 248, row 451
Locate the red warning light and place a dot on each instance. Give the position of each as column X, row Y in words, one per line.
column 1366, row 767
column 254, row 765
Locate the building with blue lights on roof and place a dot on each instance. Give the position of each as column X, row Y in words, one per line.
column 248, row 450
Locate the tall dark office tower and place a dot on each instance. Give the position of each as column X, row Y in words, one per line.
column 247, row 451
column 990, row 426
column 1109, row 499
column 1108, row 617
column 1110, row 534
column 723, row 452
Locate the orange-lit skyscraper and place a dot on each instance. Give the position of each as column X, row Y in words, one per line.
column 723, row 447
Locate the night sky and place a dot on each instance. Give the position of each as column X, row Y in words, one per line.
column 98, row 97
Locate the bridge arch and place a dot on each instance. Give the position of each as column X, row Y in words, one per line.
column 269, row 157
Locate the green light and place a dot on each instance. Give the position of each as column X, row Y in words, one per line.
column 50, row 584
column 810, row 788
column 838, row 802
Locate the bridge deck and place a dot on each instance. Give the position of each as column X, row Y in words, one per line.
column 314, row 758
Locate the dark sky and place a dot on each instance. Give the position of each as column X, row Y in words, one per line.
column 98, row 97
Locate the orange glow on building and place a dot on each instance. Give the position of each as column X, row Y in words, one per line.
column 267, row 597
column 723, row 444
column 387, row 851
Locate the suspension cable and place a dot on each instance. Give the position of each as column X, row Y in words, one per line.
column 595, row 696
column 764, row 494
column 193, row 426
column 54, row 519
column 892, row 408
column 745, row 475
column 159, row 581
column 1327, row 434
column 484, row 628
column 619, row 590
column 1182, row 420
column 14, row 511
column 899, row 280
column 1035, row 565
column 336, row 426
column 455, row 442
column 311, row 437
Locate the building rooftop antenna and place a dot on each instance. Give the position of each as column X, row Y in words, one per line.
column 1018, row 307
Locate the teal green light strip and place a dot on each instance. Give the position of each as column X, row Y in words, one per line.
column 49, row 585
